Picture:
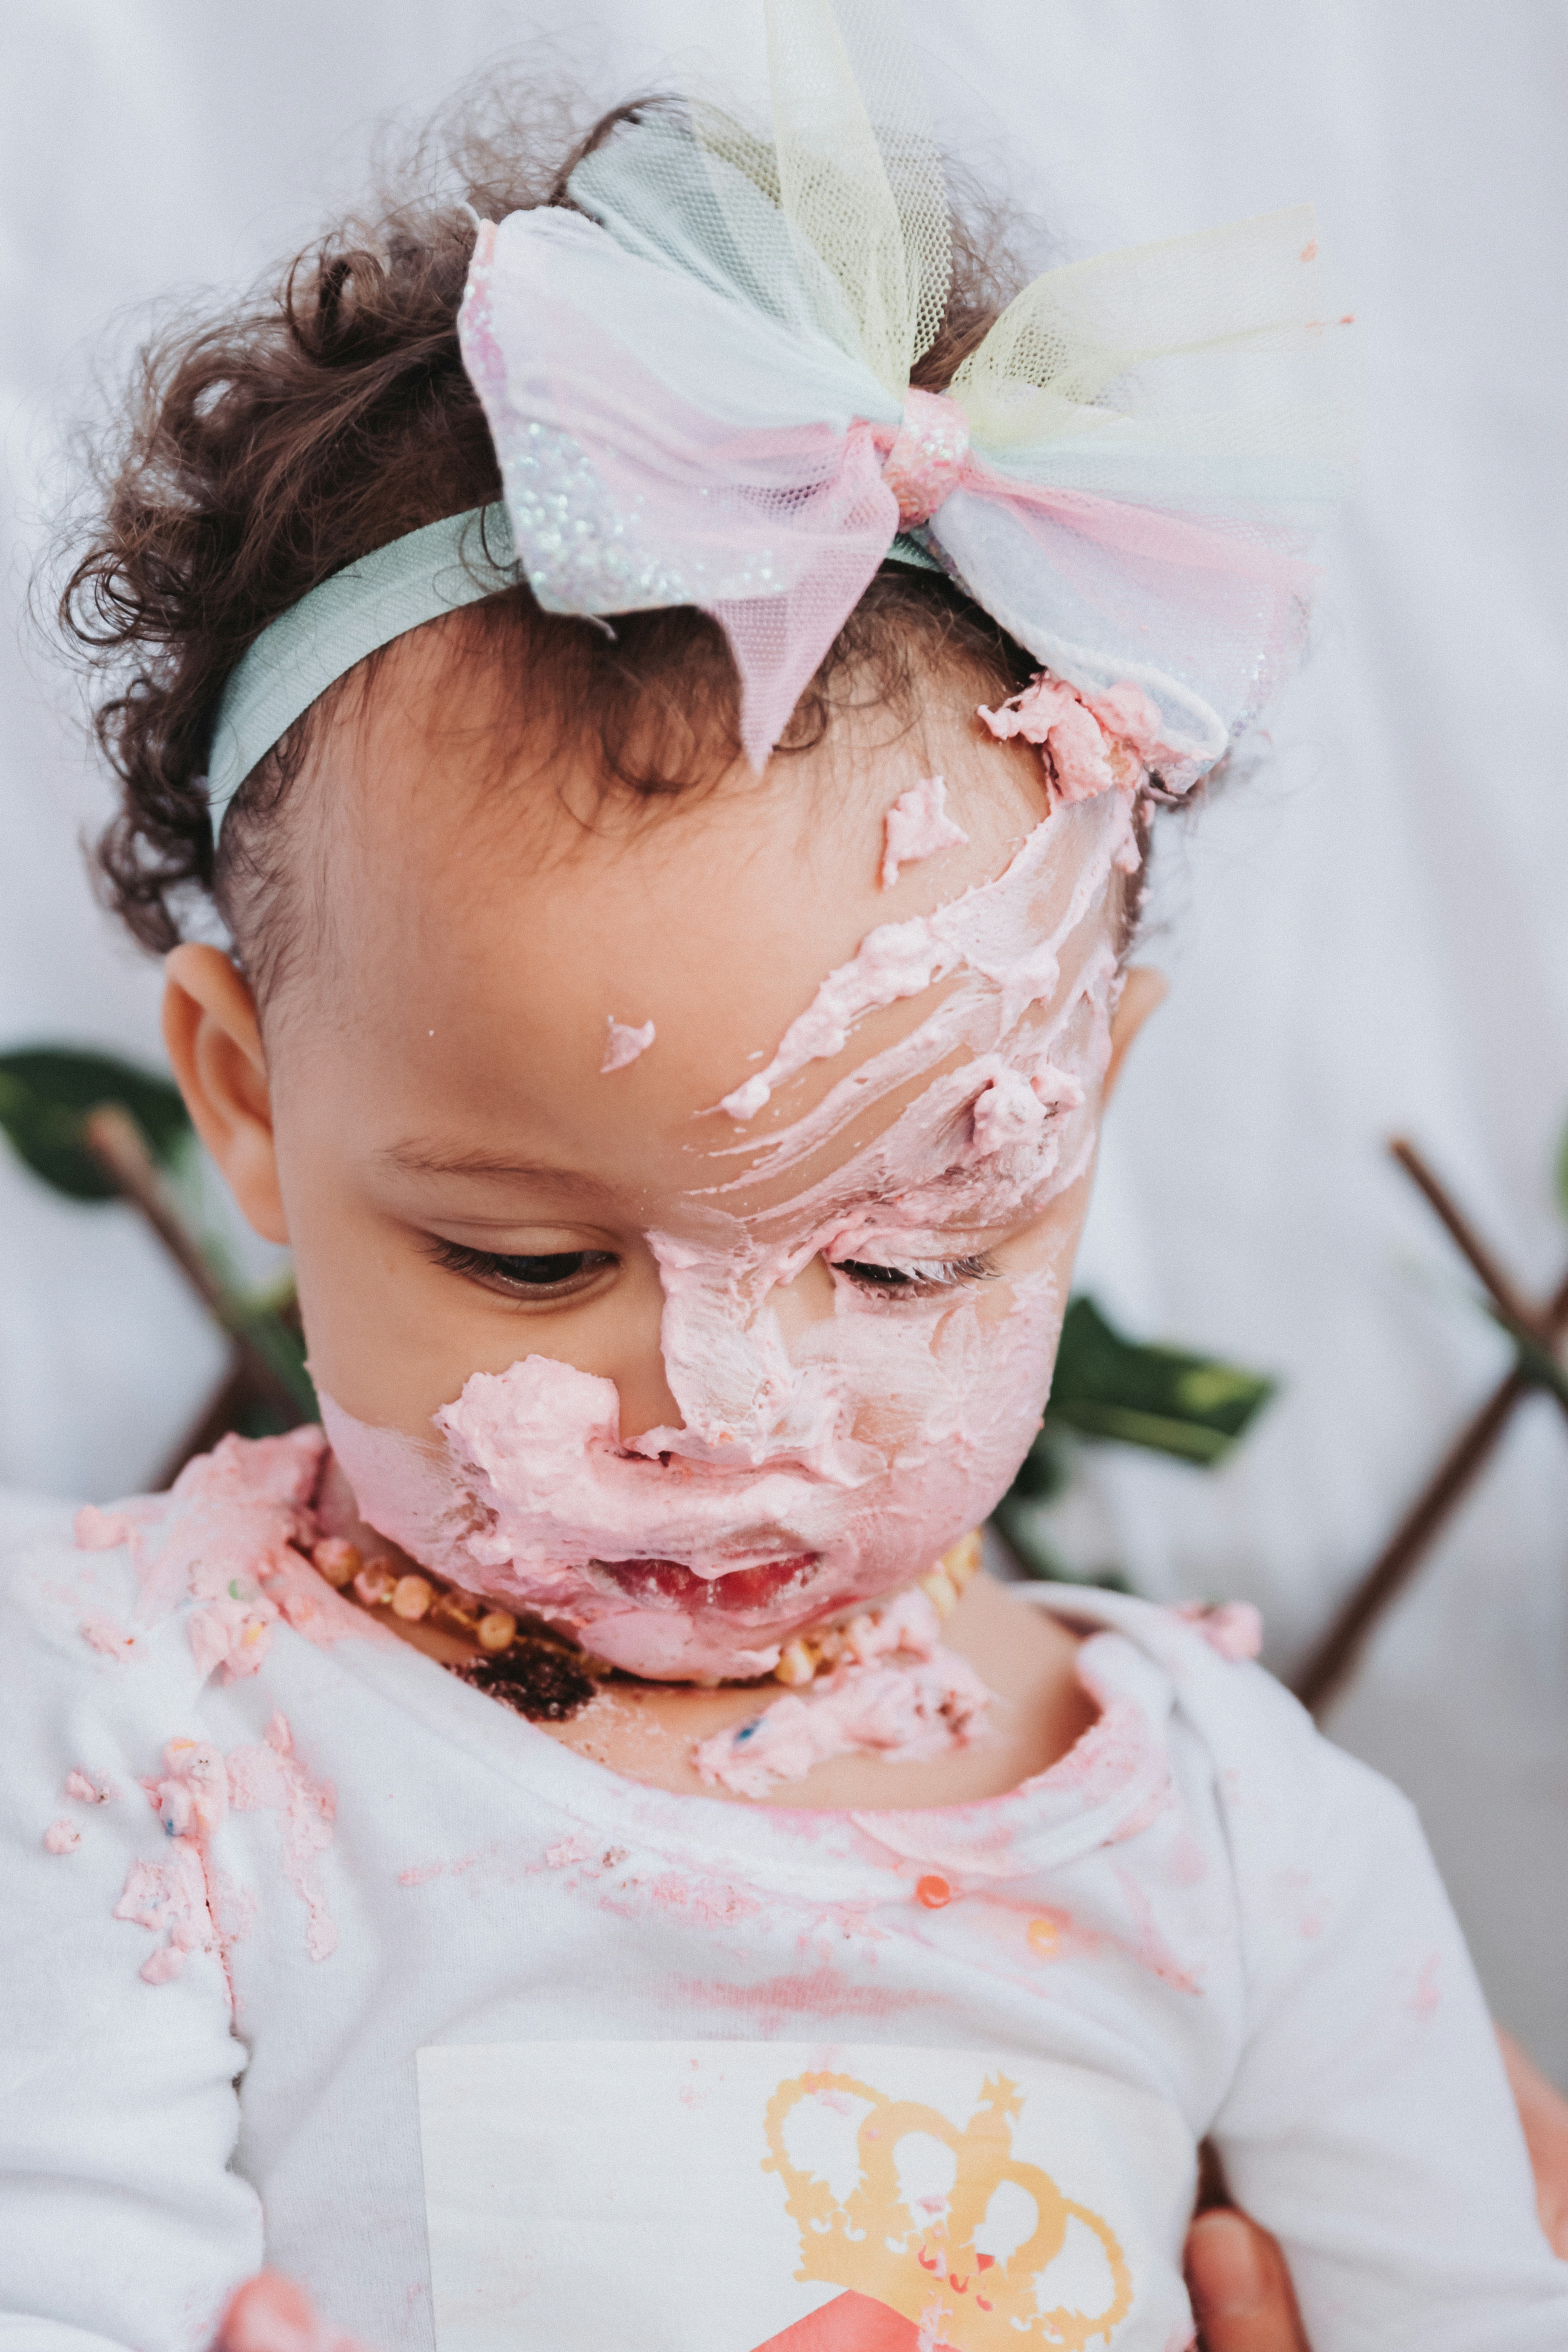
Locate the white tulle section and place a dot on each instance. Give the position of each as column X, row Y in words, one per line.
column 692, row 392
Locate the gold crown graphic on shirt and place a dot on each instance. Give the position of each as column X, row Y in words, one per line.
column 925, row 2264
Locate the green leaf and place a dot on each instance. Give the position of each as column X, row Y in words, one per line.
column 1164, row 1399
column 46, row 1091
column 272, row 1337
column 1044, row 1471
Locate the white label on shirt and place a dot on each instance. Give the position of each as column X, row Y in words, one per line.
column 779, row 2197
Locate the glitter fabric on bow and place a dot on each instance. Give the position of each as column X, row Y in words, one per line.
column 698, row 388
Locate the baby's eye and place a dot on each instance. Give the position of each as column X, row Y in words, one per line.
column 919, row 1279
column 555, row 1273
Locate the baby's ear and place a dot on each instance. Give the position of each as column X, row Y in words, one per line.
column 1142, row 990
column 215, row 1044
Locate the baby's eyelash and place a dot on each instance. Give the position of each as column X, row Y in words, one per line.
column 544, row 1275
column 918, row 1278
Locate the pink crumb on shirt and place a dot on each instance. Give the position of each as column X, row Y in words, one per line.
column 109, row 1640
column 61, row 1837
column 568, row 1850
column 270, row 1777
column 86, row 1789
column 97, row 1531
column 917, row 826
column 622, row 1044
column 186, row 1897
column 1426, row 1999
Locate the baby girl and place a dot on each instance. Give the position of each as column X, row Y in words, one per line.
column 666, row 685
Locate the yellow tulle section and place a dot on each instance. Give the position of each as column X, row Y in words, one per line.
column 1226, row 344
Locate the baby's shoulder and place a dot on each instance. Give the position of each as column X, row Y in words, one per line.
column 1277, row 1781
column 196, row 1577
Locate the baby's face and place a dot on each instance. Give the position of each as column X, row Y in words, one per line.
column 683, row 1380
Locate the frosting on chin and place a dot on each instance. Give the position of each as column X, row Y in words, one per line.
column 806, row 1478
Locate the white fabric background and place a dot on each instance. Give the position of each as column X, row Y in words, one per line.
column 1366, row 936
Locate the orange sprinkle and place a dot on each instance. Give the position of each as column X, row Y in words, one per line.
column 933, row 1891
column 1043, row 1937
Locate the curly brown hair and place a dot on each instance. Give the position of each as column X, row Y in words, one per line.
column 267, row 447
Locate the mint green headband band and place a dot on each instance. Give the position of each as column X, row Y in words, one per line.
column 417, row 578
column 414, row 579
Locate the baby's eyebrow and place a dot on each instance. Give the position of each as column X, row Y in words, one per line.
column 418, row 1157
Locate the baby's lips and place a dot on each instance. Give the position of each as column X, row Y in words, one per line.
column 737, row 1588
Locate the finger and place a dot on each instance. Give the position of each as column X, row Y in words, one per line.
column 1240, row 2289
column 269, row 2314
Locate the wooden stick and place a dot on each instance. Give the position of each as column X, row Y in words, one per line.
column 118, row 1145
column 1470, row 1245
column 1327, row 1666
column 1326, row 1669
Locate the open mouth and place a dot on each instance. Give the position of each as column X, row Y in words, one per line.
column 672, row 1585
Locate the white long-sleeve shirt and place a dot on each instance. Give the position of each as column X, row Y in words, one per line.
column 318, row 1958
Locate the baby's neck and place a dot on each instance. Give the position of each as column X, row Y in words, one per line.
column 647, row 1731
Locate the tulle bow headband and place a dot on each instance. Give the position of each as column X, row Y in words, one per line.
column 698, row 385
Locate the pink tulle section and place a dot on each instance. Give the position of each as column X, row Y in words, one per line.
column 624, row 495
column 1217, row 604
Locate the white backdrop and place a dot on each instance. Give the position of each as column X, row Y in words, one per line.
column 1366, row 936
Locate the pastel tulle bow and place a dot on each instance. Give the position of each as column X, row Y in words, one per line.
column 697, row 384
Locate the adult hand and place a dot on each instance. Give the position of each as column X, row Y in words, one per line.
column 1240, row 2288
column 1543, row 2112
column 1241, row 2294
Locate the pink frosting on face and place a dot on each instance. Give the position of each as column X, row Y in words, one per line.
column 805, row 1478
column 623, row 1045
column 1093, row 742
column 917, row 827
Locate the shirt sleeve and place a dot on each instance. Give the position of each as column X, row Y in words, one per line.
column 1370, row 2125
column 121, row 2223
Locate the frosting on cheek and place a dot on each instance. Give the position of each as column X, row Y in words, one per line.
column 809, row 1475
